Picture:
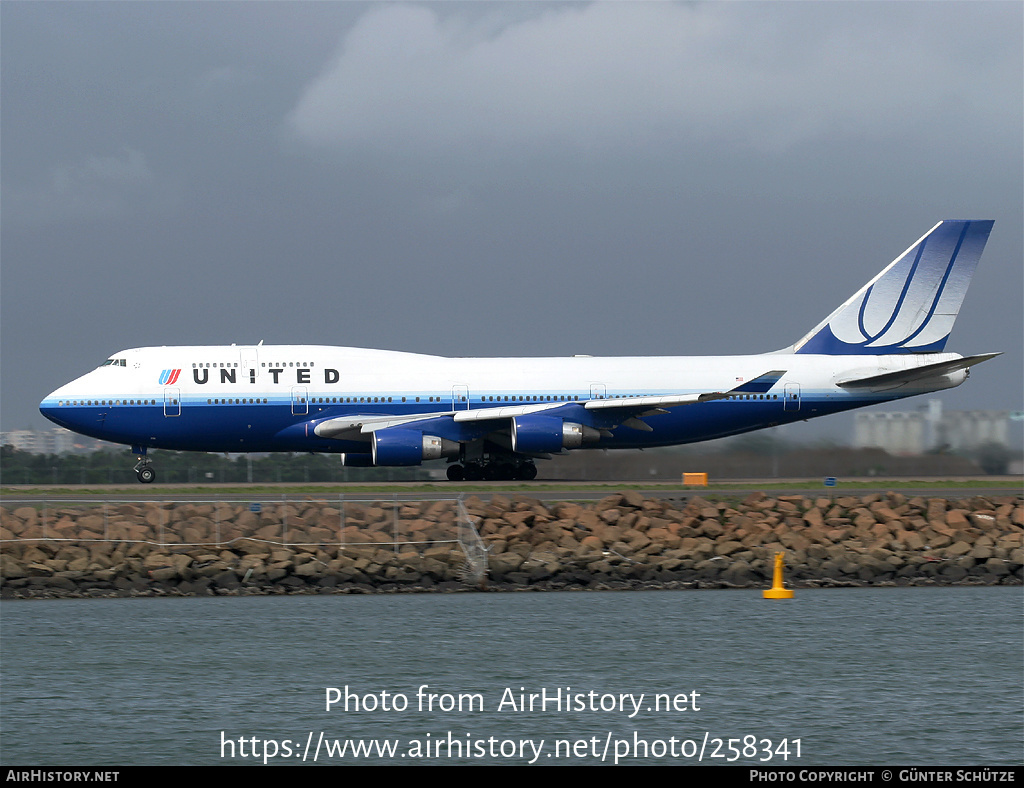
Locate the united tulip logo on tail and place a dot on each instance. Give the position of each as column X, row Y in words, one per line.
column 909, row 307
column 169, row 377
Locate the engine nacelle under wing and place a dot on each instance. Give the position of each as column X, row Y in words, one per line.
column 408, row 447
column 536, row 434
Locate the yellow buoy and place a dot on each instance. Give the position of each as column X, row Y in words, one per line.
column 777, row 591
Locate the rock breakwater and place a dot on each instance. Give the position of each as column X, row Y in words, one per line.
column 623, row 541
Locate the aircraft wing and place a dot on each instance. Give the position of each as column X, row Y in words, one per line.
column 351, row 426
column 505, row 411
column 636, row 408
column 758, row 385
column 631, row 410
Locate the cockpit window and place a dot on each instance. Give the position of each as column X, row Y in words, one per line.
column 117, row 362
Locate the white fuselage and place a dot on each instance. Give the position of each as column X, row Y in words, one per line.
column 251, row 398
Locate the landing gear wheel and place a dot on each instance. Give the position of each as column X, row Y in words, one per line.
column 456, row 473
column 146, row 475
column 527, row 472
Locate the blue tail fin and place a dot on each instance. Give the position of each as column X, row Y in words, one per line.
column 909, row 307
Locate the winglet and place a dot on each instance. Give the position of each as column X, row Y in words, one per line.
column 910, row 306
column 759, row 385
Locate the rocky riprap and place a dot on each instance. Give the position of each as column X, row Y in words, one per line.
column 623, row 541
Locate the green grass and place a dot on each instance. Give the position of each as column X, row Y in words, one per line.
column 454, row 489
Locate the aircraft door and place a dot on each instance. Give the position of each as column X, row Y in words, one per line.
column 792, row 401
column 249, row 362
column 172, row 401
column 300, row 401
column 598, row 391
column 460, row 397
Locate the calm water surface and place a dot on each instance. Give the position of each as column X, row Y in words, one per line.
column 907, row 676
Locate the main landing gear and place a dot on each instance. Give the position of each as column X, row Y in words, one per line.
column 494, row 471
column 144, row 467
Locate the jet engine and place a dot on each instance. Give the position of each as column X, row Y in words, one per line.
column 532, row 434
column 407, row 447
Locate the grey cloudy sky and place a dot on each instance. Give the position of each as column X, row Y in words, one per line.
column 494, row 178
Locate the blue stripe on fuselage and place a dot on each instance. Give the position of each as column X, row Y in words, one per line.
column 273, row 426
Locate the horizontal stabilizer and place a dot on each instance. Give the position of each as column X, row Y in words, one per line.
column 902, row 377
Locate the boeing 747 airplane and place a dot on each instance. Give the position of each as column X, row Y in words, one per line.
column 491, row 418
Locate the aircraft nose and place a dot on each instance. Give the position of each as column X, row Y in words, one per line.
column 54, row 406
column 50, row 406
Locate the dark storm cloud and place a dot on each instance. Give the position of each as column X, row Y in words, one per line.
column 767, row 76
column 493, row 179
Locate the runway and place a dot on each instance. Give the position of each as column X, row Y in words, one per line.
column 541, row 490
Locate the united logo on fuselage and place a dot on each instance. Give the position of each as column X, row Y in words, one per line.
column 169, row 377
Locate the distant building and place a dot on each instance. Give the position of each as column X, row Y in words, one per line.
column 968, row 429
column 896, row 433
column 918, row 432
column 55, row 441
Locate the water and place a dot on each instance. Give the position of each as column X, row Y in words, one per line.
column 911, row 676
